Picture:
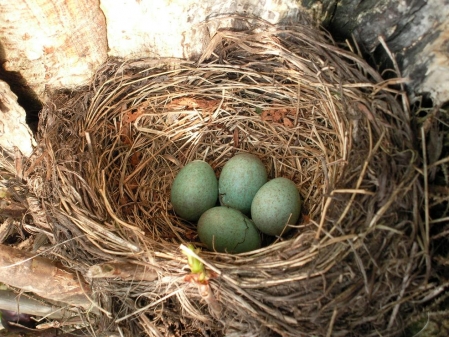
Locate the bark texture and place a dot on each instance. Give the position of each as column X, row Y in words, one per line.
column 416, row 31
column 60, row 43
column 12, row 302
column 178, row 28
column 43, row 277
column 14, row 132
column 52, row 43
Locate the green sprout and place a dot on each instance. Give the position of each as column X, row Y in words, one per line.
column 196, row 266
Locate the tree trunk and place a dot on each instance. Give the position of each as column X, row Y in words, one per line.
column 182, row 29
column 60, row 43
column 52, row 43
column 416, row 31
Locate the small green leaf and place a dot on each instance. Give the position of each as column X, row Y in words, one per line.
column 195, row 265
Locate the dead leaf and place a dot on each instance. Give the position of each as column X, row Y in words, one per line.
column 265, row 116
column 278, row 116
column 135, row 158
column 288, row 123
column 131, row 116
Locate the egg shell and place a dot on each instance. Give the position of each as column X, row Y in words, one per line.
column 239, row 181
column 194, row 190
column 227, row 230
column 273, row 204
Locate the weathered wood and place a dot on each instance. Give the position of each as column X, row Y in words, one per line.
column 177, row 28
column 43, row 277
column 52, row 43
column 14, row 132
column 12, row 301
column 416, row 32
column 60, row 43
column 122, row 270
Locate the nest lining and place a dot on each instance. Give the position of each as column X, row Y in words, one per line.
column 313, row 113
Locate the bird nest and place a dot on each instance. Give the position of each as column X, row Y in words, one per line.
column 313, row 113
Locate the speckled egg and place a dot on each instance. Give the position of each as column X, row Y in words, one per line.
column 226, row 230
column 274, row 204
column 239, row 181
column 194, row 190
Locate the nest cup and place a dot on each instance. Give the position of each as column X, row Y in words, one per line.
column 312, row 112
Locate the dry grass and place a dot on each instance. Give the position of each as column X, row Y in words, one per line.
column 312, row 112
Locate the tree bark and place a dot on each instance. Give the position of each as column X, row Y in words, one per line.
column 43, row 277
column 416, row 32
column 52, row 43
column 60, row 43
column 13, row 302
column 181, row 28
column 14, row 132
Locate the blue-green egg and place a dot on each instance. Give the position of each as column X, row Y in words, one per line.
column 276, row 205
column 227, row 230
column 194, row 190
column 239, row 181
